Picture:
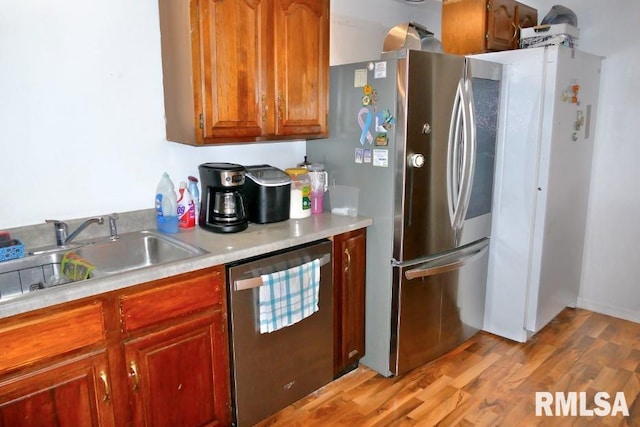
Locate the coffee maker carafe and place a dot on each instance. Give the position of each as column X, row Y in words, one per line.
column 223, row 208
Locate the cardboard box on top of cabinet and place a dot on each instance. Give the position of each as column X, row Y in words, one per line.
column 549, row 35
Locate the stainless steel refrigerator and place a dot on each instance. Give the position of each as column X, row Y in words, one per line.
column 415, row 132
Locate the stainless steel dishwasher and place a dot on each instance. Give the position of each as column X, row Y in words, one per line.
column 273, row 370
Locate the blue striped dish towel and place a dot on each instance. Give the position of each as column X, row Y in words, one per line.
column 288, row 296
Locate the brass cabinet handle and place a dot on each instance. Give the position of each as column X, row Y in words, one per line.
column 279, row 99
column 348, row 266
column 107, row 389
column 133, row 373
column 265, row 107
column 515, row 31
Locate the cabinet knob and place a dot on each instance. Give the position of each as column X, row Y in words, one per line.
column 107, row 389
column 265, row 107
column 348, row 263
column 133, row 373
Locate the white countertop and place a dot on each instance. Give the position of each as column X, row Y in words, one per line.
column 223, row 249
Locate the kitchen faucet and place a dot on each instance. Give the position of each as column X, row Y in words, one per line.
column 62, row 228
column 113, row 229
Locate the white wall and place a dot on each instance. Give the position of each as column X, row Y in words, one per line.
column 358, row 27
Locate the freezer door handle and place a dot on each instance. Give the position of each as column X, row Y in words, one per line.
column 450, row 262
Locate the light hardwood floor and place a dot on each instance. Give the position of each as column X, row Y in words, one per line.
column 490, row 381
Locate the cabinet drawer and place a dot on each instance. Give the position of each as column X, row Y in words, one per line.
column 49, row 335
column 173, row 299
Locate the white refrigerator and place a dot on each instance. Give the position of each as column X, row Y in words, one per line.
column 541, row 186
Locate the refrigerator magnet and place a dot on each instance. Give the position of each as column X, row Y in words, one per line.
column 359, row 155
column 380, row 70
column 384, row 121
column 364, row 121
column 367, row 155
column 381, row 140
column 380, row 158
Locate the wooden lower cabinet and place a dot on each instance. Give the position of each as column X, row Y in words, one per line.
column 70, row 393
column 349, row 299
column 175, row 377
column 151, row 355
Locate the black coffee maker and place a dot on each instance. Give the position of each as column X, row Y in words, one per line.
column 223, row 208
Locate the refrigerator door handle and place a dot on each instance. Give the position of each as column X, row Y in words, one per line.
column 453, row 157
column 469, row 152
column 451, row 262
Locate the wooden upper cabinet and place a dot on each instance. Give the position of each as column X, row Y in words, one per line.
column 245, row 70
column 478, row 26
column 526, row 16
column 301, row 51
column 234, row 58
column 502, row 27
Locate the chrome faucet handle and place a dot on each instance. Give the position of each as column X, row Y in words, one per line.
column 113, row 229
column 61, row 229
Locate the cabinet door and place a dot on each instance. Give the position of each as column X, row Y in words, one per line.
column 526, row 16
column 301, row 49
column 464, row 26
column 350, row 274
column 66, row 394
column 233, row 66
column 179, row 375
column 501, row 25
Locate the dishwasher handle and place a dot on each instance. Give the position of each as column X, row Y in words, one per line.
column 256, row 282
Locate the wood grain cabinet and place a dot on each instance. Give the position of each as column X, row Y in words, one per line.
column 176, row 352
column 54, row 369
column 155, row 354
column 245, row 70
column 349, row 299
column 478, row 26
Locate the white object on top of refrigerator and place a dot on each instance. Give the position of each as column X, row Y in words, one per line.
column 415, row 133
column 543, row 170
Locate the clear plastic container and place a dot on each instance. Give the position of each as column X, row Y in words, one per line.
column 319, row 184
column 344, row 200
column 300, row 206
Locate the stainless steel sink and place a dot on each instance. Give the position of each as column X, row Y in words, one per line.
column 131, row 251
column 136, row 250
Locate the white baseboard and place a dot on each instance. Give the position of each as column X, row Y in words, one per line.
column 621, row 313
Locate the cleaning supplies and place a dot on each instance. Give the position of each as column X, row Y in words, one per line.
column 10, row 248
column 74, row 267
column 166, row 206
column 195, row 195
column 186, row 208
